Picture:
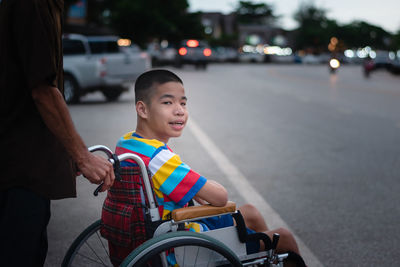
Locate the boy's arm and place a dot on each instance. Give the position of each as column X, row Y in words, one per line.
column 213, row 193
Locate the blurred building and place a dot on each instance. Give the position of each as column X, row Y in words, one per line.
column 217, row 24
column 76, row 21
column 77, row 13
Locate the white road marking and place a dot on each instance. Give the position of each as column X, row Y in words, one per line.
column 247, row 191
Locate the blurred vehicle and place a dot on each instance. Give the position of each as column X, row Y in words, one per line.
column 334, row 65
column 282, row 59
column 324, row 58
column 253, row 57
column 194, row 52
column 310, row 59
column 161, row 55
column 382, row 60
column 395, row 67
column 224, row 54
column 368, row 66
column 98, row 63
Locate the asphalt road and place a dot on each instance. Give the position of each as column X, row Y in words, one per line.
column 322, row 150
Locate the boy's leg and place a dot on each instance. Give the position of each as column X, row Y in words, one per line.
column 286, row 241
column 254, row 220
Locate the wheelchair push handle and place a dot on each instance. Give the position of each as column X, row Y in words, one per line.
column 111, row 158
column 101, row 148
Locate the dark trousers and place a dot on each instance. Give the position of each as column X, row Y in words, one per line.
column 24, row 216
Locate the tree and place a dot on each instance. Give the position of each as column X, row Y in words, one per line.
column 145, row 20
column 360, row 34
column 396, row 41
column 255, row 13
column 315, row 29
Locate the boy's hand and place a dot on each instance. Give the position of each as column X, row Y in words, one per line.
column 97, row 169
column 200, row 200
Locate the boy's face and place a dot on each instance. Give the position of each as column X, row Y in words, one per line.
column 167, row 114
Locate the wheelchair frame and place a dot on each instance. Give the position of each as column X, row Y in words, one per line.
column 227, row 243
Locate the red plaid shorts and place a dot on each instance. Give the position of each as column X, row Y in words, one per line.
column 123, row 219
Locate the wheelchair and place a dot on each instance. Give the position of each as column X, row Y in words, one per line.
column 168, row 243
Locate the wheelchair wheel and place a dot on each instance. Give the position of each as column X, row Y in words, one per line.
column 189, row 249
column 88, row 249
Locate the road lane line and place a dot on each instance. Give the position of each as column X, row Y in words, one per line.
column 247, row 191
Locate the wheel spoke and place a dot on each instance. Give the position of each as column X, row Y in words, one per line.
column 197, row 253
column 94, row 252
column 91, row 259
column 102, row 244
column 184, row 244
column 184, row 253
column 210, row 258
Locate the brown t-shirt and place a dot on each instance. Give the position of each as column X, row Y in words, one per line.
column 31, row 54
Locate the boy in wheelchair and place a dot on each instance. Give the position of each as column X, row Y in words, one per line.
column 162, row 114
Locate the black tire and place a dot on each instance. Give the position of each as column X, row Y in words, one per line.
column 149, row 251
column 112, row 94
column 88, row 249
column 71, row 89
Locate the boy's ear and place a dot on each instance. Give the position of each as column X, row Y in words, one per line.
column 141, row 109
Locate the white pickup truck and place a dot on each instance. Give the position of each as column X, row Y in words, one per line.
column 98, row 63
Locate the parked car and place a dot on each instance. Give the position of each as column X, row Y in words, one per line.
column 98, row 63
column 194, row 52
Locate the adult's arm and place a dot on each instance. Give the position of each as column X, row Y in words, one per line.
column 213, row 193
column 55, row 114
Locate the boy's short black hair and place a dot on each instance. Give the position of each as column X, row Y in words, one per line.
column 146, row 83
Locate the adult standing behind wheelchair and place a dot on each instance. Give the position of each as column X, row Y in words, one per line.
column 161, row 115
column 40, row 145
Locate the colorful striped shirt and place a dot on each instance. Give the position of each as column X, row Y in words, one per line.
column 174, row 182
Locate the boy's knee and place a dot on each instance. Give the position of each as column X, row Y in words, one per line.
column 249, row 208
column 249, row 212
column 286, row 236
column 284, row 233
column 287, row 241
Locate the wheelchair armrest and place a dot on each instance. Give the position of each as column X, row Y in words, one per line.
column 194, row 212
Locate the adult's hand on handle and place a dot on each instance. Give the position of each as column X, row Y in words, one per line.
column 97, row 169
